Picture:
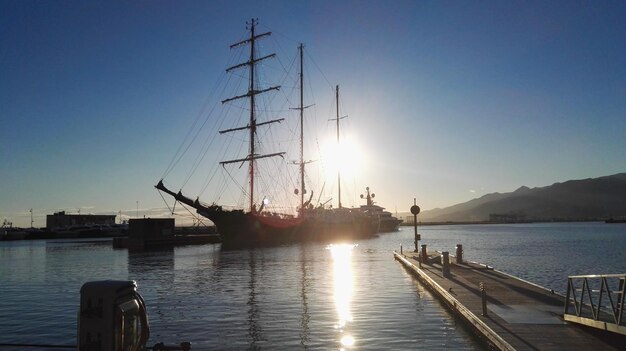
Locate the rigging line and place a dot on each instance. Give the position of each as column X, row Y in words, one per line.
column 276, row 183
column 218, row 192
column 166, row 204
column 281, row 34
column 269, row 188
column 172, row 164
column 221, row 188
column 235, row 181
column 293, row 181
column 319, row 152
column 310, row 181
column 198, row 133
column 262, row 72
column 209, row 179
column 243, row 198
column 289, row 180
column 318, row 68
column 227, row 146
column 206, row 146
column 266, row 101
column 282, row 81
column 279, row 48
column 198, row 218
column 311, row 96
column 178, row 155
column 287, row 75
column 291, row 66
column 198, row 159
column 215, row 170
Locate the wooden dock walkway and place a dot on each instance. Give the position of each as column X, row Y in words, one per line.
column 520, row 315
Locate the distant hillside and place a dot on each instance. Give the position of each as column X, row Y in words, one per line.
column 586, row 199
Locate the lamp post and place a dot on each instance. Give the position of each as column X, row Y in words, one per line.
column 415, row 210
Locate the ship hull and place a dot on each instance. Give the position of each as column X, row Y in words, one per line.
column 390, row 225
column 238, row 229
column 387, row 222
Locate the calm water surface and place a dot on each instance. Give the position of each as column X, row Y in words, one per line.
column 543, row 253
column 348, row 297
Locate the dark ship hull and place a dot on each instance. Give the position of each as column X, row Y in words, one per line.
column 389, row 225
column 239, row 229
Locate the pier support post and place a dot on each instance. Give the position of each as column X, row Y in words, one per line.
column 459, row 253
column 445, row 264
column 424, row 255
column 620, row 296
column 483, row 297
column 401, row 250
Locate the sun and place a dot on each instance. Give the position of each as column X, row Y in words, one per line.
column 346, row 157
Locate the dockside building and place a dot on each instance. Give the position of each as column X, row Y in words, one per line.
column 62, row 220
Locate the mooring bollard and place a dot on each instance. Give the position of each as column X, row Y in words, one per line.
column 445, row 264
column 483, row 296
column 459, row 253
column 424, row 255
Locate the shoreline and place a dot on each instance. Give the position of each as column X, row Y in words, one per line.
column 42, row 233
column 409, row 224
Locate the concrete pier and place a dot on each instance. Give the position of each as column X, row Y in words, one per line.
column 506, row 312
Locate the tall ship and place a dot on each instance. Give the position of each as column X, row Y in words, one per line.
column 257, row 225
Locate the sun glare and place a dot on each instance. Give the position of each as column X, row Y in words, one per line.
column 342, row 269
column 347, row 340
column 343, row 289
column 346, row 157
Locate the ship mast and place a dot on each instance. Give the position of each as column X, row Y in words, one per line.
column 337, row 119
column 252, row 92
column 301, row 162
column 301, row 127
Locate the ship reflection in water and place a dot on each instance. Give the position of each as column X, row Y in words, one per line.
column 343, row 289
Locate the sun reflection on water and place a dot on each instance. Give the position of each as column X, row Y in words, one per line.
column 343, row 288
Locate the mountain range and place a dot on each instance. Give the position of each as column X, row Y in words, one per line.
column 586, row 199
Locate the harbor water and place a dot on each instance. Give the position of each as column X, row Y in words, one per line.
column 350, row 296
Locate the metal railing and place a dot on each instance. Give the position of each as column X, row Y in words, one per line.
column 598, row 301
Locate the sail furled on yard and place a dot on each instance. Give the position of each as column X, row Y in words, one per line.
column 252, row 92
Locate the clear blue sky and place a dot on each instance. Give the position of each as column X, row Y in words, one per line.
column 450, row 99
